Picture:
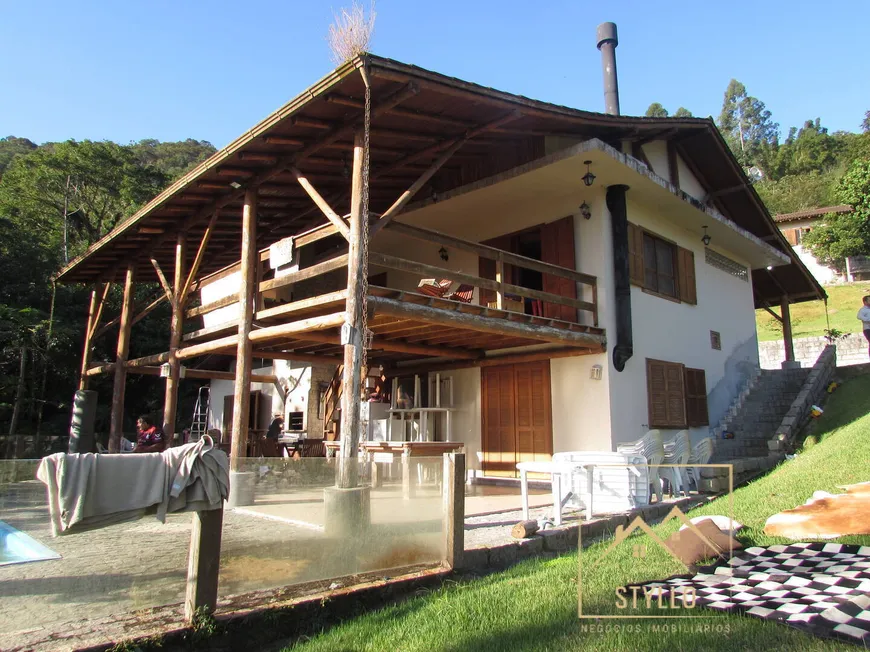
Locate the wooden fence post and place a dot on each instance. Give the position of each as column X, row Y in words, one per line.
column 203, row 563
column 454, row 509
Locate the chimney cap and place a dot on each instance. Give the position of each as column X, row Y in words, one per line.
column 607, row 32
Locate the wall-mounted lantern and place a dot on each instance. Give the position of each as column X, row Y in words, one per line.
column 588, row 178
column 706, row 237
column 442, row 252
column 585, row 211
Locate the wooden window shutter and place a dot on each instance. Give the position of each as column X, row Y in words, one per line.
column 657, row 393
column 557, row 248
column 635, row 254
column 686, row 275
column 696, row 398
column 791, row 236
column 676, row 395
column 666, row 394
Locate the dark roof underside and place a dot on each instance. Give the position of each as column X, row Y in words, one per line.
column 315, row 130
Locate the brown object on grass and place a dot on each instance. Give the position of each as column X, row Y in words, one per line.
column 524, row 529
column 703, row 541
column 825, row 517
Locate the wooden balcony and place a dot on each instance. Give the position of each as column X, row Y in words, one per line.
column 407, row 325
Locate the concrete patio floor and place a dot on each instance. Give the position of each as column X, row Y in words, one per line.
column 280, row 540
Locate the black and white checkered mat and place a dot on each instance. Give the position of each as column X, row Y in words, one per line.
column 821, row 588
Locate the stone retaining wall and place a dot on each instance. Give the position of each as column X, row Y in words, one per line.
column 852, row 349
column 811, row 393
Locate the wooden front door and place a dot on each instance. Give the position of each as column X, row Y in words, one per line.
column 516, row 415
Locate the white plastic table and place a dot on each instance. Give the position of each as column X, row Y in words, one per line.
column 555, row 469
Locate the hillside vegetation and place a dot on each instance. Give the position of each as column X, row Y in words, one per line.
column 808, row 319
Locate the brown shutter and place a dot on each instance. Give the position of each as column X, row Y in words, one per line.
column 696, row 398
column 635, row 254
column 676, row 395
column 557, row 248
column 666, row 394
column 657, row 393
column 686, row 275
column 791, row 236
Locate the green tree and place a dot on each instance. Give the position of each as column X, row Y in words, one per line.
column 173, row 158
column 865, row 123
column 656, row 110
column 683, row 112
column 10, row 147
column 846, row 234
column 94, row 184
column 747, row 126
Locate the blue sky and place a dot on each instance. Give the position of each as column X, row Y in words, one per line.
column 171, row 70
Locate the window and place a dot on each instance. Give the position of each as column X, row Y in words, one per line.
column 725, row 264
column 660, row 266
column 677, row 395
column 794, row 236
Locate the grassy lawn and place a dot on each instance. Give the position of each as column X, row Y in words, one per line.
column 808, row 319
column 533, row 606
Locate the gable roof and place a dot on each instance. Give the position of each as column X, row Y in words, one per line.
column 416, row 114
column 812, row 212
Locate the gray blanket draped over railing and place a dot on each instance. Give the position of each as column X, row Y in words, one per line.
column 89, row 491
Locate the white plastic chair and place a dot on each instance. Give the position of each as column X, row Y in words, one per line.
column 651, row 448
column 620, row 481
column 700, row 454
column 677, row 451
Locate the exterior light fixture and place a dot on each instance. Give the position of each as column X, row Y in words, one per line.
column 706, row 237
column 165, row 370
column 235, row 184
column 585, row 211
column 770, row 268
column 434, row 196
column 588, row 178
column 444, row 255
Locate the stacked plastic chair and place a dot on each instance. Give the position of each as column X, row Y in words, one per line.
column 620, row 481
column 677, row 452
column 700, row 454
column 651, row 448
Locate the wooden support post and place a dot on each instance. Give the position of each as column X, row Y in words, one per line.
column 453, row 483
column 499, row 278
column 203, row 563
column 116, row 429
column 89, row 329
column 357, row 266
column 786, row 330
column 247, row 291
column 170, row 403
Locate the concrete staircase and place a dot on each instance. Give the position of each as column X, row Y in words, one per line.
column 760, row 414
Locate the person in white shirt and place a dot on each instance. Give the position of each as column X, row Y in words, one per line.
column 864, row 316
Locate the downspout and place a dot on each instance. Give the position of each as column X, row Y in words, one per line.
column 624, row 348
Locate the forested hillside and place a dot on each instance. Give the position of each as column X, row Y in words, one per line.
column 57, row 199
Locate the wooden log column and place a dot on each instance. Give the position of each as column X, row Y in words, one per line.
column 357, row 266
column 786, row 330
column 116, row 429
column 170, row 404
column 247, row 294
column 89, row 329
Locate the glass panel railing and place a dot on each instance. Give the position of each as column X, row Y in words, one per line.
column 295, row 526
column 46, row 581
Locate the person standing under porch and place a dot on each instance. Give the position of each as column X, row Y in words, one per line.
column 270, row 439
column 864, row 316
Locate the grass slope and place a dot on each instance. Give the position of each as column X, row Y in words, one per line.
column 533, row 606
column 808, row 319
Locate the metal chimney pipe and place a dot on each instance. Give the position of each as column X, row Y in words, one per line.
column 607, row 42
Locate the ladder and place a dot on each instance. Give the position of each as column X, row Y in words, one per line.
column 201, row 412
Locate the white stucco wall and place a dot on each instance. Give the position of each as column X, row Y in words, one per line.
column 679, row 332
column 216, row 290
column 296, row 401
